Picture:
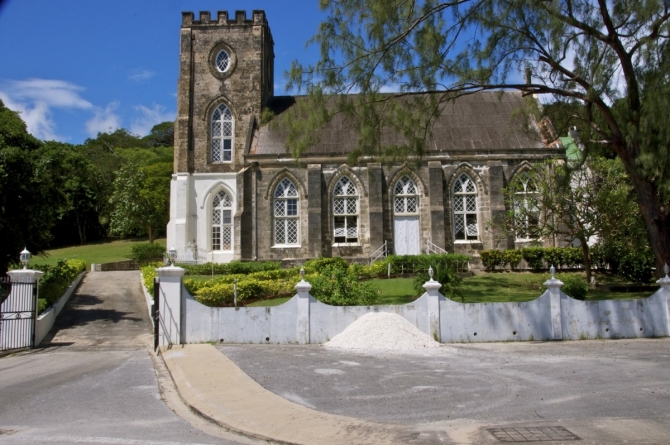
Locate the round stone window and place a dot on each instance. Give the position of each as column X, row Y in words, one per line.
column 222, row 61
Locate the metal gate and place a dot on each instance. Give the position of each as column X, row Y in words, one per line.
column 18, row 310
column 156, row 312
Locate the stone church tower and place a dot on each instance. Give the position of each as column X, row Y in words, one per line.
column 238, row 194
column 225, row 80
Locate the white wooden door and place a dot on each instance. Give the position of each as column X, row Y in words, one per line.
column 406, row 235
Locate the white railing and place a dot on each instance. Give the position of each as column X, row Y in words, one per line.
column 379, row 253
column 192, row 255
column 434, row 248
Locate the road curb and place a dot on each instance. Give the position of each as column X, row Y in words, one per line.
column 159, row 357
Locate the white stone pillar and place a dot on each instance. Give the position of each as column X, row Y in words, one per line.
column 25, row 275
column 432, row 289
column 665, row 285
column 302, row 323
column 170, row 305
column 554, row 286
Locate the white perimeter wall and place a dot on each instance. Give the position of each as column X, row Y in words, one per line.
column 472, row 322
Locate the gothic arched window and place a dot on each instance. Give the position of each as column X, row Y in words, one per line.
column 222, row 134
column 405, row 200
column 222, row 222
column 465, row 208
column 345, row 211
column 286, row 213
column 525, row 206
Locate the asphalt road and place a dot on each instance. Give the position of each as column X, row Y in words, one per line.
column 491, row 384
column 93, row 380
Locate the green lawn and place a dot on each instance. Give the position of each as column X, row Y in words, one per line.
column 104, row 251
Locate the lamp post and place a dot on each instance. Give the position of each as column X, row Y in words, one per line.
column 172, row 255
column 25, row 257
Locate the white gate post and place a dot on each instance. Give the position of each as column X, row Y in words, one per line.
column 170, row 305
column 302, row 323
column 665, row 284
column 554, row 286
column 432, row 289
column 24, row 276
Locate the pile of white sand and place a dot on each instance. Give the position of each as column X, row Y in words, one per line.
column 382, row 330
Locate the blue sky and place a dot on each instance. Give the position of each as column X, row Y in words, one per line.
column 74, row 68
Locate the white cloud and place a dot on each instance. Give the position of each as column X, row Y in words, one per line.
column 34, row 98
column 104, row 120
column 37, row 118
column 141, row 75
column 390, row 88
column 148, row 117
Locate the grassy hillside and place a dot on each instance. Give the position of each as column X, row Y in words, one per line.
column 104, row 251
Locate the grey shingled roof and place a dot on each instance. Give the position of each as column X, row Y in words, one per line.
column 481, row 121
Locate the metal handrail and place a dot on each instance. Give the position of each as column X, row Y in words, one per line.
column 379, row 253
column 434, row 248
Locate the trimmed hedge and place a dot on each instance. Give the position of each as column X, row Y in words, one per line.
column 492, row 258
column 145, row 253
column 420, row 263
column 234, row 267
column 537, row 258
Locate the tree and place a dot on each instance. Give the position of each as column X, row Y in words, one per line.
column 161, row 135
column 609, row 57
column 27, row 194
column 141, row 200
column 582, row 202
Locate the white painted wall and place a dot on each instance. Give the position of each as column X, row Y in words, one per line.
column 189, row 211
column 457, row 322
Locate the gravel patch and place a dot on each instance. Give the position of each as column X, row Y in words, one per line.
column 382, row 330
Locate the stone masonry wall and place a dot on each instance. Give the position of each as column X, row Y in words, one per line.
column 244, row 87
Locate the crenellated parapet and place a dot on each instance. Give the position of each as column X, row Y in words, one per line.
column 222, row 19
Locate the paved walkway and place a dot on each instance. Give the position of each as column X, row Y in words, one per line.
column 214, row 385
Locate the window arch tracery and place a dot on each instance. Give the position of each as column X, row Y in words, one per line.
column 465, row 208
column 406, row 199
column 525, row 209
column 222, row 221
column 345, row 211
column 286, row 213
column 222, row 130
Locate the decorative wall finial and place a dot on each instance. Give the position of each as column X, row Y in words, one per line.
column 430, row 272
column 552, row 270
column 302, row 274
column 666, row 270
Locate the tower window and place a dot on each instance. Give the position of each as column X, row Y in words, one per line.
column 222, row 134
column 222, row 61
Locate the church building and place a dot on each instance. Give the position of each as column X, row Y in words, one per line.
column 238, row 194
